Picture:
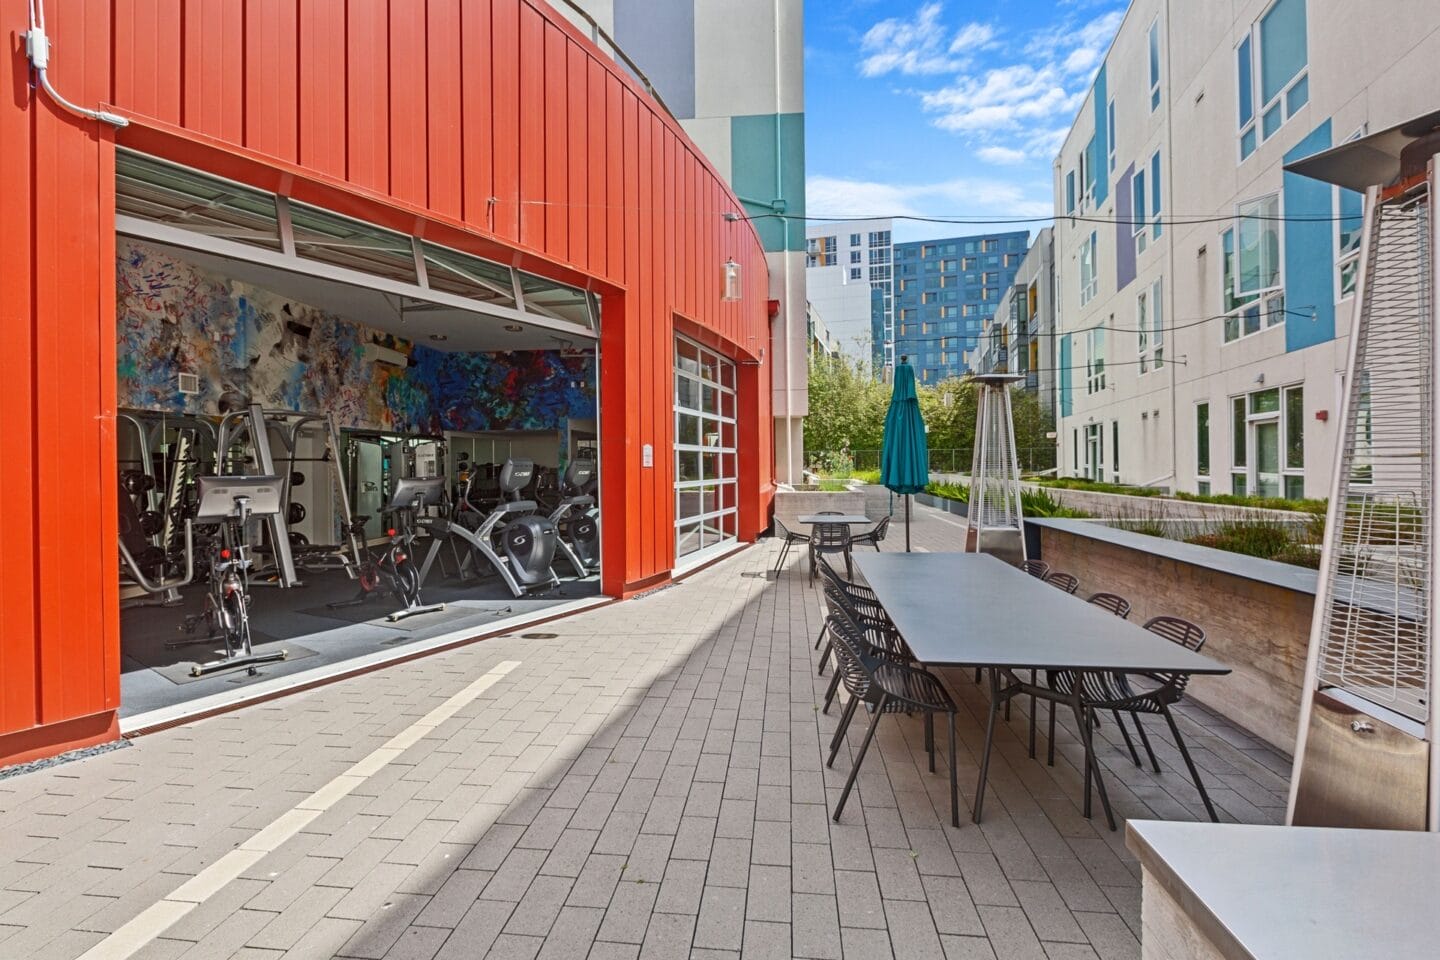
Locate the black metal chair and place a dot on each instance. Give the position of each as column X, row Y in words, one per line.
column 1112, row 602
column 1038, row 569
column 830, row 538
column 864, row 609
column 885, row 686
column 873, row 536
column 791, row 538
column 1065, row 581
column 1114, row 692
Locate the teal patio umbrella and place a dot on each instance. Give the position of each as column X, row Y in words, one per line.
column 904, row 454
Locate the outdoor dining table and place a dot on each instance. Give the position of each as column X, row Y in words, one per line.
column 973, row 610
column 850, row 519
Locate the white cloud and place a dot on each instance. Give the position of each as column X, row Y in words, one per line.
column 1002, row 156
column 845, row 198
column 1001, row 100
column 917, row 47
column 1016, row 106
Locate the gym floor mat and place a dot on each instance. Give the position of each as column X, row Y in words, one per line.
column 180, row 672
column 375, row 612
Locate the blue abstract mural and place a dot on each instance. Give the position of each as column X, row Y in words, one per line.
column 248, row 345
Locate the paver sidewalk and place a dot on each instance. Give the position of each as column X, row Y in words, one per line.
column 647, row 782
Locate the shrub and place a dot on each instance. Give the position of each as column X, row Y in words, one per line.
column 1097, row 486
column 833, row 485
column 866, row 476
column 949, row 491
column 1264, row 503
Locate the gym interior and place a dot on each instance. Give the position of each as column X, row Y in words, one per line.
column 336, row 444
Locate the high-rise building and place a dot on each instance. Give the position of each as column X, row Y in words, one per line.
column 842, row 258
column 733, row 74
column 944, row 291
column 1205, row 294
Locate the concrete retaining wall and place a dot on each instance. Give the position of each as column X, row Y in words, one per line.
column 1256, row 622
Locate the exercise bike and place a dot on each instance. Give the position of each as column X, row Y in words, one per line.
column 231, row 503
column 576, row 526
column 395, row 567
column 517, row 542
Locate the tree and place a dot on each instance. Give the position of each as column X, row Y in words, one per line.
column 847, row 413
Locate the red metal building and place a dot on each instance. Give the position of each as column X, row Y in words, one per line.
column 491, row 126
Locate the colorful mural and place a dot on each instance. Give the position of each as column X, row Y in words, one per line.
column 248, row 344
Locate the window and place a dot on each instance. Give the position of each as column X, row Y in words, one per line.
column 855, row 256
column 854, row 239
column 1253, row 292
column 990, row 246
column 880, row 238
column 1155, row 196
column 1272, row 79
column 1202, row 443
column 705, row 445
column 928, row 297
column 1294, row 442
column 968, row 263
column 1110, row 130
column 1070, row 192
column 1349, row 224
column 1150, row 326
column 1268, row 443
column 1137, row 217
column 1115, row 449
column 1239, row 480
column 855, row 273
column 1154, row 65
column 1089, row 272
column 947, row 266
column 1095, row 360
column 967, row 309
column 820, row 252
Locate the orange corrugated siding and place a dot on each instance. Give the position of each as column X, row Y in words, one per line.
column 493, row 125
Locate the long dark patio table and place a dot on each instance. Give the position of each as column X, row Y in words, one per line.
column 973, row 610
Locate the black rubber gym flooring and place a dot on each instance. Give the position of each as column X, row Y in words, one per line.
column 297, row 620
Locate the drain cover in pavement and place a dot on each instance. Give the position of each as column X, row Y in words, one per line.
column 538, row 636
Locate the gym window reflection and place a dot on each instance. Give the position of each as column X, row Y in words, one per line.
column 704, row 449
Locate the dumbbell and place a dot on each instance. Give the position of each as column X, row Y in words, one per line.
column 296, row 513
column 297, row 478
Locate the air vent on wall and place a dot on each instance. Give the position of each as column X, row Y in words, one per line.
column 189, row 383
column 378, row 354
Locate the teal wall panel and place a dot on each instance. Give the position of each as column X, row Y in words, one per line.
column 1309, row 250
column 767, row 161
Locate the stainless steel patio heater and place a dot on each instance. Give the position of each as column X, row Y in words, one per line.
column 1366, row 747
column 996, row 523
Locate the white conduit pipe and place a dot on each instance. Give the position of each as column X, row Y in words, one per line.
column 37, row 49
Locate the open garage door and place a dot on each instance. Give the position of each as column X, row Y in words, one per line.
column 338, row 443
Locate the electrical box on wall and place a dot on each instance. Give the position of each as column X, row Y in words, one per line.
column 647, row 456
column 188, row 383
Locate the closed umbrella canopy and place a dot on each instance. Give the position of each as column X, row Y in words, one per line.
column 904, row 452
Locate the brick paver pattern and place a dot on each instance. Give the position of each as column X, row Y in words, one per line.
column 649, row 782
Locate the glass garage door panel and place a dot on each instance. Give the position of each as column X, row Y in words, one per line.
column 705, row 467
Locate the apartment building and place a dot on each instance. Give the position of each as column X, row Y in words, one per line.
column 841, row 260
column 945, row 290
column 1205, row 295
column 1020, row 338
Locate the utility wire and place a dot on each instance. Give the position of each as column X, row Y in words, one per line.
column 1170, row 328
column 977, row 221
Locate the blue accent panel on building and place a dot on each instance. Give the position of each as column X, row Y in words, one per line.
column 1100, row 162
column 660, row 38
column 767, row 172
column 1309, row 250
column 1067, row 400
column 1124, row 231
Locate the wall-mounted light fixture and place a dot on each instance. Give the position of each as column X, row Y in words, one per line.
column 731, row 280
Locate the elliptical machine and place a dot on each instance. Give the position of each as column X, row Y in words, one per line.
column 576, row 523
column 512, row 537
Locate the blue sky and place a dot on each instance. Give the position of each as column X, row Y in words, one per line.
column 944, row 107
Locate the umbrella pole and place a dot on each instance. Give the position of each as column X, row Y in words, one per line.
column 907, row 523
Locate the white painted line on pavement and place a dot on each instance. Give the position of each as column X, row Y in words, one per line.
column 131, row 938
